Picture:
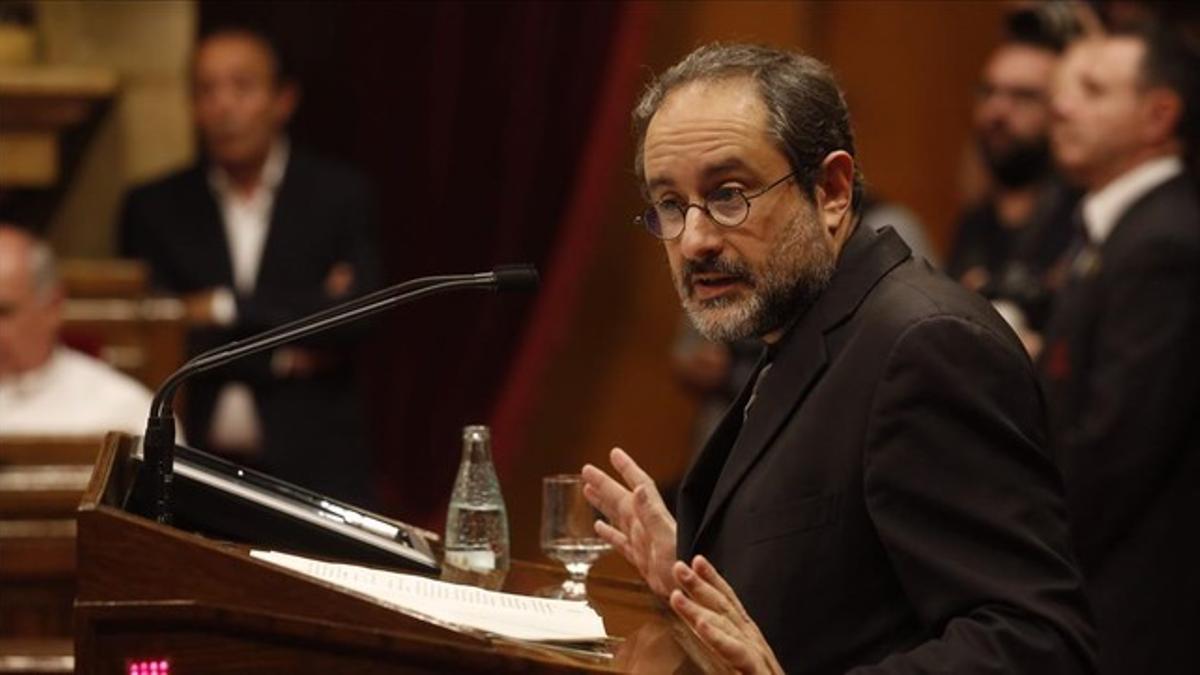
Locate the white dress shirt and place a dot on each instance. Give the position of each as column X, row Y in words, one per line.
column 1103, row 208
column 72, row 394
column 247, row 221
column 247, row 218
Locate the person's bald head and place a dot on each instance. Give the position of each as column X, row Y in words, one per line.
column 30, row 301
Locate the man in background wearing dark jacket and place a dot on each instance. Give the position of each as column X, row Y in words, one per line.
column 1120, row 364
column 258, row 233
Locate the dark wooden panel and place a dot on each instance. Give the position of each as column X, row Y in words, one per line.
column 35, row 450
column 36, row 656
column 41, row 482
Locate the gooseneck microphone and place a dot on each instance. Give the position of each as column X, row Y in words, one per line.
column 158, row 445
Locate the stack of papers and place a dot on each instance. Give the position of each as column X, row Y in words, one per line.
column 519, row 617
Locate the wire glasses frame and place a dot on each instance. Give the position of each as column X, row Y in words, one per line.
column 726, row 206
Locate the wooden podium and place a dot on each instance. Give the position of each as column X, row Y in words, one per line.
column 149, row 593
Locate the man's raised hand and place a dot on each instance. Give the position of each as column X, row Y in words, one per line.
column 639, row 525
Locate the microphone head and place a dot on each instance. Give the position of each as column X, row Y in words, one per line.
column 516, row 277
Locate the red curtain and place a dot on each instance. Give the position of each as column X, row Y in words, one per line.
column 574, row 249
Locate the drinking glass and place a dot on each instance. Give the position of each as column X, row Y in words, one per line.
column 568, row 532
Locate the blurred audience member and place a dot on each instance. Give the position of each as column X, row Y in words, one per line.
column 47, row 389
column 1121, row 370
column 1007, row 244
column 255, row 234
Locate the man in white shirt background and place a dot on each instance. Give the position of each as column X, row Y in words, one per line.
column 256, row 233
column 47, row 389
column 1120, row 365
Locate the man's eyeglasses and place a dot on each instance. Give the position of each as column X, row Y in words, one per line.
column 726, row 206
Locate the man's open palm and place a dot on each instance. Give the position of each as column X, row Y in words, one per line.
column 639, row 526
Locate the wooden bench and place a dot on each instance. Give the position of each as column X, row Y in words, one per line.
column 41, row 482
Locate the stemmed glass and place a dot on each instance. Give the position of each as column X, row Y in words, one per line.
column 568, row 533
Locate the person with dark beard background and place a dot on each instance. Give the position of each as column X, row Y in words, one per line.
column 1008, row 244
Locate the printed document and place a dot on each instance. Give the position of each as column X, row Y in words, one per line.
column 519, row 617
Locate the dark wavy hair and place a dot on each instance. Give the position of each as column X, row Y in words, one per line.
column 806, row 111
column 282, row 67
column 1172, row 60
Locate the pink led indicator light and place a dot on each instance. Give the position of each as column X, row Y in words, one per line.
column 149, row 667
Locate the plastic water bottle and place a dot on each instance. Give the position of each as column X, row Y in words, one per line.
column 477, row 522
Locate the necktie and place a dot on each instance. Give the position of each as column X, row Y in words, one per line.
column 1084, row 254
column 758, row 380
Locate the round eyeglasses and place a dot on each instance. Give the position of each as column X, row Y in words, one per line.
column 725, row 206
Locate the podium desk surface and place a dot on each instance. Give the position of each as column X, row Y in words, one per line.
column 148, row 590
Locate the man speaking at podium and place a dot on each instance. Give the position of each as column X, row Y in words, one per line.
column 879, row 499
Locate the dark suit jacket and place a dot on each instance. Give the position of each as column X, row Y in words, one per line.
column 1122, row 377
column 888, row 505
column 323, row 214
column 1020, row 262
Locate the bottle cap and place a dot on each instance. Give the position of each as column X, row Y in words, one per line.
column 477, row 433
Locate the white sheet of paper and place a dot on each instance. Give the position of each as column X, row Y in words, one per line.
column 520, row 617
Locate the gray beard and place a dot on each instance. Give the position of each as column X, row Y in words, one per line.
column 788, row 284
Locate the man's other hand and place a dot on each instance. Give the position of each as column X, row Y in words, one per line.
column 705, row 601
column 210, row 307
column 340, row 281
column 639, row 525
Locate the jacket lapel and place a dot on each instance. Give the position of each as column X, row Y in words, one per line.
column 286, row 213
column 696, row 488
column 795, row 368
column 208, row 223
column 801, row 358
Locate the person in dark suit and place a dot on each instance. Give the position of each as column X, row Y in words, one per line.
column 1121, row 369
column 1008, row 242
column 879, row 498
column 258, row 233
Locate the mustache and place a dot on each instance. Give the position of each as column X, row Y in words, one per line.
column 715, row 265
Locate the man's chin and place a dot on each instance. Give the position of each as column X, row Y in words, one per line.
column 1073, row 166
column 720, row 319
column 237, row 155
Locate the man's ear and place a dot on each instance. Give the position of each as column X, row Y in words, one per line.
column 53, row 305
column 286, row 100
column 835, row 194
column 1163, row 113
